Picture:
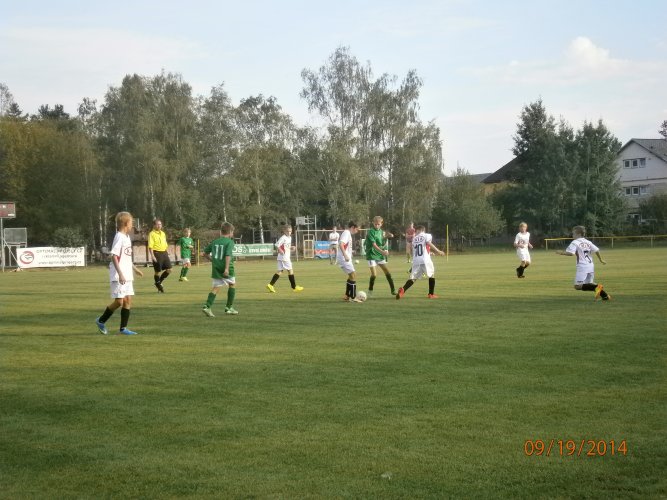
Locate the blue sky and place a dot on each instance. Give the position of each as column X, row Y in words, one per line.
column 480, row 61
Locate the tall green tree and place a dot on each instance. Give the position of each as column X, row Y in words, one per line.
column 265, row 137
column 149, row 144
column 463, row 206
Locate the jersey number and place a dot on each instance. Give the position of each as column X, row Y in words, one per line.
column 419, row 250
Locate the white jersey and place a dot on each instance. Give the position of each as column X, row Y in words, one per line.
column 522, row 239
column 421, row 248
column 284, row 245
column 122, row 248
column 583, row 249
column 344, row 246
column 333, row 238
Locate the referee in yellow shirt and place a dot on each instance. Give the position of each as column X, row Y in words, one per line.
column 157, row 249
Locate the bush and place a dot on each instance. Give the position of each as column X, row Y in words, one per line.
column 68, row 237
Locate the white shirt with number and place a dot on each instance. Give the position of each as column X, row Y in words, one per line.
column 344, row 247
column 584, row 250
column 284, row 245
column 421, row 248
column 122, row 248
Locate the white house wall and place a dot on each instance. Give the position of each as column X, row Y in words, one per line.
column 650, row 179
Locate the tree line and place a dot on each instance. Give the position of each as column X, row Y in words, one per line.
column 157, row 150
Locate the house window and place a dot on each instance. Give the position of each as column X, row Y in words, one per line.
column 642, row 162
column 628, row 191
column 626, row 163
column 643, row 189
column 634, row 217
column 635, row 163
column 635, row 190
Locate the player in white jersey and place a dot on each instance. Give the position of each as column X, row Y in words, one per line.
column 585, row 271
column 333, row 244
column 422, row 264
column 284, row 247
column 121, row 278
column 522, row 244
column 344, row 261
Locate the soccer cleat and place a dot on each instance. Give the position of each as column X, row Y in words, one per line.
column 125, row 331
column 606, row 297
column 207, row 311
column 356, row 300
column 159, row 287
column 598, row 291
column 433, row 296
column 400, row 293
column 101, row 327
column 270, row 288
column 230, row 310
column 298, row 289
column 346, row 298
column 183, row 278
column 518, row 272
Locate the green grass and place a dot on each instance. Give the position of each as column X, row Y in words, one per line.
column 304, row 396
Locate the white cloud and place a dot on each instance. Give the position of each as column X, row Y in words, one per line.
column 582, row 62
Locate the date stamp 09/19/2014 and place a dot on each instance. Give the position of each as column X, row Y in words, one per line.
column 574, row 447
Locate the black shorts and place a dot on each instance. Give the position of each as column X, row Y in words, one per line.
column 162, row 261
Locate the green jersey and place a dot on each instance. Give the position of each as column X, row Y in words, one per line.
column 219, row 250
column 374, row 236
column 185, row 243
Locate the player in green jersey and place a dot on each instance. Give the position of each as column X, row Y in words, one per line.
column 186, row 245
column 376, row 249
column 220, row 252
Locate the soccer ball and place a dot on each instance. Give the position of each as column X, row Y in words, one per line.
column 356, row 261
column 361, row 296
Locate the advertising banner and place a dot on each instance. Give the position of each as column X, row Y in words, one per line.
column 321, row 249
column 253, row 250
column 50, row 257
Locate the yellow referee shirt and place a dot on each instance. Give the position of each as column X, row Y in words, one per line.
column 157, row 240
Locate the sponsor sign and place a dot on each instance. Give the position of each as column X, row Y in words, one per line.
column 50, row 257
column 254, row 250
column 322, row 249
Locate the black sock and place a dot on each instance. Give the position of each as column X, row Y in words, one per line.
column 163, row 276
column 351, row 289
column 106, row 315
column 292, row 280
column 124, row 317
column 156, row 277
column 589, row 287
column 391, row 281
column 431, row 285
column 521, row 270
column 371, row 283
column 407, row 285
column 275, row 278
column 603, row 294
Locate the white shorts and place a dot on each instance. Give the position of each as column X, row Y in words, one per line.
column 284, row 265
column 584, row 277
column 523, row 254
column 217, row 283
column 119, row 291
column 185, row 261
column 418, row 270
column 373, row 263
column 347, row 267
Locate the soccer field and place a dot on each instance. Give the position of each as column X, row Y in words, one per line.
column 500, row 388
